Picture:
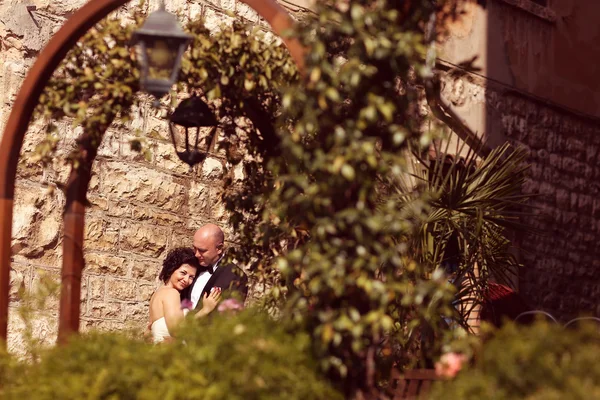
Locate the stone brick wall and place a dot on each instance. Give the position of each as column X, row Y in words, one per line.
column 140, row 208
column 562, row 264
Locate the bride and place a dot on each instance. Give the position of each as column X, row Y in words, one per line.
column 178, row 272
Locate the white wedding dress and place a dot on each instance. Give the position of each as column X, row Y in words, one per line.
column 159, row 328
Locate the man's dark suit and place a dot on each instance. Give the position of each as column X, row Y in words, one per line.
column 228, row 278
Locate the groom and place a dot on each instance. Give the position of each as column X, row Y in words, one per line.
column 209, row 247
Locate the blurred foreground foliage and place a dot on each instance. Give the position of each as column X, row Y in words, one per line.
column 317, row 223
column 538, row 362
column 246, row 356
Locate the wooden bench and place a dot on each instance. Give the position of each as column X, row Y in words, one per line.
column 413, row 384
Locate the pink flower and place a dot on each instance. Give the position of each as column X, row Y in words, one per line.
column 186, row 304
column 450, row 364
column 230, row 305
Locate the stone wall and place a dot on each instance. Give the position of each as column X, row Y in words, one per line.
column 143, row 207
column 562, row 263
column 140, row 208
column 527, row 91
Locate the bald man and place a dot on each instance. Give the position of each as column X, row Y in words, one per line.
column 209, row 247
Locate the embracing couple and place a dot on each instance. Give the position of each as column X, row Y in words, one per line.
column 193, row 279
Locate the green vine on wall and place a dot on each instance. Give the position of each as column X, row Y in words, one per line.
column 314, row 217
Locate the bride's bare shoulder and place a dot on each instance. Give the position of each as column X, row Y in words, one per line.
column 165, row 292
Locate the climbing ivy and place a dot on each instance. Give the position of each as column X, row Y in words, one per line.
column 332, row 244
column 314, row 219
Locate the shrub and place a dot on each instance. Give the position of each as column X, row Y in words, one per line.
column 247, row 356
column 538, row 362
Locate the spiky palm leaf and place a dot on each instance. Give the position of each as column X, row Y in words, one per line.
column 474, row 204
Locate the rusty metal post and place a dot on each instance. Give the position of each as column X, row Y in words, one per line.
column 18, row 122
column 73, row 261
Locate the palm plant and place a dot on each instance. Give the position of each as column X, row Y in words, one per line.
column 473, row 205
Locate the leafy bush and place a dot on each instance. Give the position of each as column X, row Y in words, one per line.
column 538, row 362
column 248, row 356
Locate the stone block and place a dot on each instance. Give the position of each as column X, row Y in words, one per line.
column 199, row 200
column 24, row 214
column 120, row 209
column 144, row 239
column 145, row 291
column 101, row 234
column 238, row 173
column 13, row 75
column 573, row 166
column 569, row 218
column 84, row 293
column 536, row 171
column 217, row 208
column 562, row 198
column 596, row 208
column 570, row 183
column 94, row 185
column 588, row 172
column 20, row 279
column 576, row 148
column 111, row 144
column 133, row 156
column 138, row 312
column 573, row 202
column 246, row 12
column 96, row 288
column 225, row 5
column 118, row 289
column 585, row 204
column 41, row 278
column 44, row 328
column 97, row 204
column 50, row 258
column 100, row 325
column 195, row 11
column 212, row 169
column 215, row 20
column 105, row 264
column 105, row 310
column 36, row 222
column 145, row 269
column 59, row 7
column 156, row 126
column 158, row 217
column 145, row 186
column 591, row 153
column 29, row 168
column 184, row 238
column 546, row 189
column 165, row 158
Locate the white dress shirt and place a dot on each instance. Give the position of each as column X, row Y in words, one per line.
column 200, row 283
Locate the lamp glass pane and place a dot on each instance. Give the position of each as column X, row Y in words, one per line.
column 162, row 58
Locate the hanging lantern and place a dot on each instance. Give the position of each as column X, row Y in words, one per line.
column 191, row 115
column 162, row 43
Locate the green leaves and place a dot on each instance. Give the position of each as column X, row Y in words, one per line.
column 541, row 361
column 243, row 356
column 95, row 84
column 474, row 205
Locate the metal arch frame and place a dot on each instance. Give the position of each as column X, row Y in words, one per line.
column 12, row 141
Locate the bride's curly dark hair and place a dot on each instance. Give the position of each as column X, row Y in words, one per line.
column 175, row 259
